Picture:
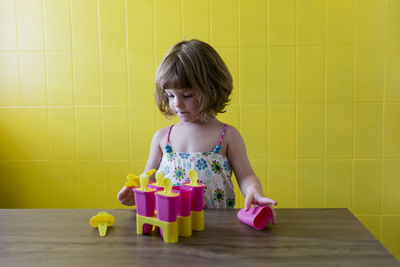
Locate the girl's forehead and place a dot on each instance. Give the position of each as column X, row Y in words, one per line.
column 178, row 90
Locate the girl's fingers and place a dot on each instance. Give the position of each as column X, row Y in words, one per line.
column 273, row 215
column 128, row 202
column 125, row 192
column 247, row 203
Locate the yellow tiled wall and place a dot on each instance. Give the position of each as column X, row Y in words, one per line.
column 316, row 97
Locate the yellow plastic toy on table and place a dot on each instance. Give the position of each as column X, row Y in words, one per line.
column 102, row 220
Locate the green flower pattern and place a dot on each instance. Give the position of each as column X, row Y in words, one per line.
column 216, row 167
column 179, row 173
column 219, row 195
column 230, row 203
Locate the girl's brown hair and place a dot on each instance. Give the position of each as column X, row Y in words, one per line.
column 196, row 65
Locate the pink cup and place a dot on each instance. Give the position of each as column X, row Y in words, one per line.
column 156, row 187
column 167, row 207
column 197, row 196
column 145, row 202
column 184, row 200
column 257, row 217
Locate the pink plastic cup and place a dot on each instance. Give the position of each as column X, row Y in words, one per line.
column 197, row 196
column 257, row 217
column 145, row 202
column 184, row 200
column 167, row 207
column 156, row 187
column 145, row 206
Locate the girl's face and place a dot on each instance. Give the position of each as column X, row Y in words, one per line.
column 183, row 102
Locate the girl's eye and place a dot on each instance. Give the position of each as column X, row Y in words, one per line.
column 188, row 96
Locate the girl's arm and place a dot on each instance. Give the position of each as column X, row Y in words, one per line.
column 248, row 182
column 155, row 155
column 126, row 195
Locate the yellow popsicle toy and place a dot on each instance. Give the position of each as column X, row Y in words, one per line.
column 102, row 220
column 133, row 180
column 149, row 173
column 193, row 176
column 159, row 178
column 144, row 181
column 167, row 187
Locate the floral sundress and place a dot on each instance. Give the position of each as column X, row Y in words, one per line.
column 213, row 169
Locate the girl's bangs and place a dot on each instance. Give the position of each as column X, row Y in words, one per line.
column 175, row 78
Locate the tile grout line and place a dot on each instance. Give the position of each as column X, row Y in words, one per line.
column 296, row 169
column 221, row 46
column 74, row 105
column 383, row 121
column 267, row 95
column 46, row 85
column 210, row 21
column 242, row 196
column 324, row 161
column 128, row 78
column 182, row 21
column 354, row 98
column 18, row 56
column 18, row 62
column 101, row 101
column 155, row 67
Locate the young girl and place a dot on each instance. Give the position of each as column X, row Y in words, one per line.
column 194, row 83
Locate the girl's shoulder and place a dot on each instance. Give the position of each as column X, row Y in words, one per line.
column 232, row 134
column 162, row 131
column 160, row 135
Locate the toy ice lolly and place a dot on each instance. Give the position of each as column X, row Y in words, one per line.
column 169, row 207
column 257, row 216
column 159, row 180
column 197, row 212
column 167, row 203
column 102, row 220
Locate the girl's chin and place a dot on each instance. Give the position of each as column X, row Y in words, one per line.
column 187, row 118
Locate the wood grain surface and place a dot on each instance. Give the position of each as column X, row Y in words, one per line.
column 302, row 237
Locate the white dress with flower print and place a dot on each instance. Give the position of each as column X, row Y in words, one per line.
column 213, row 169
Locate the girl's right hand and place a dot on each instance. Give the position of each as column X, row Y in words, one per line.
column 126, row 196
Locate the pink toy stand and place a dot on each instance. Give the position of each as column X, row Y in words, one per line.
column 257, row 217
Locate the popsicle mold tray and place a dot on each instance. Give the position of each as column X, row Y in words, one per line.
column 176, row 210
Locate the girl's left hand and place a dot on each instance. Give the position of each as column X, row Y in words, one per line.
column 260, row 200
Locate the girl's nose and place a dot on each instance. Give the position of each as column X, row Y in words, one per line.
column 178, row 102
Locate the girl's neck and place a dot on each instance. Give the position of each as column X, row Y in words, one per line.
column 199, row 123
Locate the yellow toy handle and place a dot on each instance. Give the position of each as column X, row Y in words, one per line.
column 193, row 175
column 133, row 180
column 150, row 172
column 167, row 186
column 144, row 181
column 159, row 178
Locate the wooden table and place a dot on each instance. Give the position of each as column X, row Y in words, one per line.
column 302, row 237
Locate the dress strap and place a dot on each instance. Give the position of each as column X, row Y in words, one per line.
column 168, row 148
column 218, row 147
